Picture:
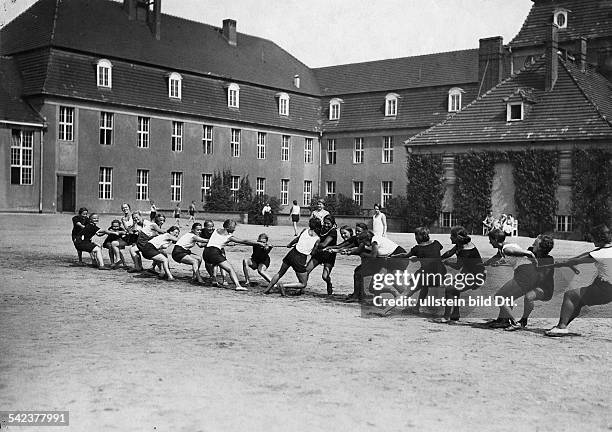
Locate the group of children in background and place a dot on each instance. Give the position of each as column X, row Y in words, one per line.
column 533, row 268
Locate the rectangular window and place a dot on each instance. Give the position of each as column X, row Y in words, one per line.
column 446, row 220
column 176, row 186
column 307, row 150
column 285, row 146
column 514, row 112
column 104, row 75
column 177, row 136
column 358, row 151
column 206, row 183
column 235, row 143
column 386, row 192
column 331, row 151
column 261, row 145
column 207, row 139
column 142, row 185
column 330, row 189
column 387, row 153
column 565, row 223
column 232, row 97
column 22, row 147
column 358, row 192
column 143, row 132
column 234, row 186
column 106, row 128
column 307, row 192
column 66, row 124
column 260, row 186
column 455, row 102
column 105, row 183
column 284, row 192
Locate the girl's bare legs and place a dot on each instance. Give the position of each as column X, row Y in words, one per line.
column 276, row 278
column 163, row 261
column 225, row 265
column 195, row 262
column 245, row 270
column 326, row 276
column 97, row 253
column 135, row 257
column 261, row 269
column 301, row 284
column 510, row 289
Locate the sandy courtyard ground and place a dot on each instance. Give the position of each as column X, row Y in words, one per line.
column 130, row 353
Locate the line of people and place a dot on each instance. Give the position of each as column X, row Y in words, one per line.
column 533, row 268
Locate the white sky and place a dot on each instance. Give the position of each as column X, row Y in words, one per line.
column 330, row 32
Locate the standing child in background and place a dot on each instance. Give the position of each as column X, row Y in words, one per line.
column 379, row 222
column 260, row 259
column 470, row 266
column 266, row 212
column 213, row 253
column 192, row 212
column 181, row 253
column 153, row 212
column 427, row 251
column 78, row 223
column 294, row 215
column 297, row 258
column 177, row 214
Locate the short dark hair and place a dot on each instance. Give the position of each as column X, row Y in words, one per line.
column 315, row 224
column 421, row 234
column 461, row 234
column 82, row 210
column 497, row 235
column 601, row 234
column 547, row 243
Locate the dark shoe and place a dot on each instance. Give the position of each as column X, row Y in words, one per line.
column 503, row 324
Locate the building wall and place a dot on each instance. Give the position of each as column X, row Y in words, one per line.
column 84, row 156
column 17, row 197
column 372, row 172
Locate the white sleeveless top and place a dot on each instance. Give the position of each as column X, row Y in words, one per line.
column 306, row 243
column 218, row 240
column 514, row 261
column 187, row 241
column 377, row 224
column 603, row 262
column 162, row 240
column 147, row 228
column 129, row 222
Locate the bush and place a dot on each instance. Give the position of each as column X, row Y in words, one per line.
column 425, row 189
column 347, row 206
column 474, row 182
column 397, row 207
column 257, row 203
column 219, row 197
column 592, row 181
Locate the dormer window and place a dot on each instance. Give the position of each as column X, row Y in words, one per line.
column 334, row 109
column 391, row 101
column 519, row 103
column 514, row 111
column 283, row 104
column 454, row 99
column 104, row 73
column 233, row 96
column 560, row 18
column 175, row 85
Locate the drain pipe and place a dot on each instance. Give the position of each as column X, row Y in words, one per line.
column 40, row 189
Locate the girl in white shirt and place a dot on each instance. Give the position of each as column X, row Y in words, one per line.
column 295, row 216
column 599, row 292
column 152, row 250
column 181, row 253
column 379, row 222
column 297, row 258
column 213, row 254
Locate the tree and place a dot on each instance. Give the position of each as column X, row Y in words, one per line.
column 347, row 206
column 425, row 189
column 244, row 196
column 219, row 197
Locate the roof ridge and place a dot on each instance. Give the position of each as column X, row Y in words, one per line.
column 584, row 93
column 451, row 116
column 394, row 58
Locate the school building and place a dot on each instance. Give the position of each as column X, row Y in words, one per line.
column 116, row 101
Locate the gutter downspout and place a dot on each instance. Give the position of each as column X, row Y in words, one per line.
column 40, row 189
column 319, row 168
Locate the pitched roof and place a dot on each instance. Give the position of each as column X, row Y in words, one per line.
column 12, row 107
column 567, row 113
column 417, row 108
column 103, row 28
column 588, row 18
column 74, row 76
column 448, row 68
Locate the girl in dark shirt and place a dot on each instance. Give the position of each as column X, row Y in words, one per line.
column 115, row 241
column 78, row 223
column 84, row 244
column 329, row 238
column 471, row 268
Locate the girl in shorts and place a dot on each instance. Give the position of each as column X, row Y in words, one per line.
column 297, row 258
column 83, row 241
column 114, row 242
column 329, row 238
column 470, row 266
column 259, row 260
column 525, row 275
column 78, row 223
column 213, row 253
column 177, row 214
column 152, row 250
column 181, row 253
column 295, row 216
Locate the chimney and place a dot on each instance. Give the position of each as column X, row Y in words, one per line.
column 582, row 53
column 229, row 31
column 490, row 62
column 296, row 81
column 154, row 19
column 552, row 58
